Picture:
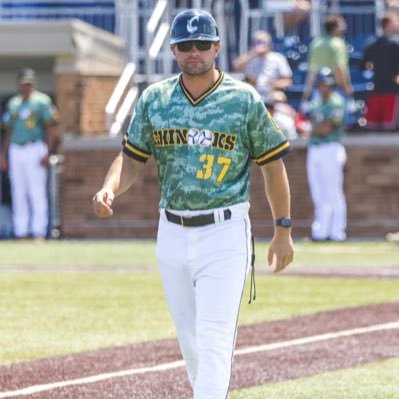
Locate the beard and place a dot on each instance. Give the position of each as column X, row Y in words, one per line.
column 197, row 69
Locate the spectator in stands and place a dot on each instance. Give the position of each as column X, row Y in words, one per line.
column 329, row 51
column 30, row 123
column 392, row 5
column 283, row 113
column 325, row 161
column 382, row 57
column 265, row 69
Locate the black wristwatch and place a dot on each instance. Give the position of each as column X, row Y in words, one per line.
column 283, row 222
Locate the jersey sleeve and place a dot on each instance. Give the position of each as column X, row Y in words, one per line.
column 339, row 53
column 313, row 62
column 6, row 118
column 11, row 112
column 284, row 67
column 49, row 112
column 136, row 141
column 267, row 141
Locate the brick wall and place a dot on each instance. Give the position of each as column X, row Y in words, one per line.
column 81, row 101
column 371, row 187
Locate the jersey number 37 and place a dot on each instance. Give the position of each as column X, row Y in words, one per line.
column 208, row 163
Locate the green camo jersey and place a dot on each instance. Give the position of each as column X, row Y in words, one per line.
column 203, row 147
column 333, row 110
column 27, row 119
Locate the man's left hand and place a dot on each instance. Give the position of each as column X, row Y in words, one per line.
column 281, row 251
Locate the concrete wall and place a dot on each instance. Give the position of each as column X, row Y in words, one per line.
column 371, row 186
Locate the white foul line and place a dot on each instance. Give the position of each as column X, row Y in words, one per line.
column 173, row 365
column 317, row 338
column 89, row 380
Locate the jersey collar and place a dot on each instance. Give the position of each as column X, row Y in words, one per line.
column 195, row 101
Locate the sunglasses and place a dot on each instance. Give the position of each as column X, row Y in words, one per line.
column 185, row 47
column 261, row 42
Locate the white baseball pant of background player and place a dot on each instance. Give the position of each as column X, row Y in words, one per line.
column 325, row 165
column 203, row 270
column 29, row 188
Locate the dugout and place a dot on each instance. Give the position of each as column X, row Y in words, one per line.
column 76, row 63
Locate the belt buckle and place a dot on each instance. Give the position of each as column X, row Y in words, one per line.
column 181, row 220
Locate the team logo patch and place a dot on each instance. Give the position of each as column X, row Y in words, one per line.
column 190, row 27
column 205, row 138
column 193, row 136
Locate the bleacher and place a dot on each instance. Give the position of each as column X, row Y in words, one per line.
column 100, row 13
column 237, row 18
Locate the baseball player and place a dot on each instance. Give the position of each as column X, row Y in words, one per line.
column 325, row 162
column 31, row 137
column 204, row 129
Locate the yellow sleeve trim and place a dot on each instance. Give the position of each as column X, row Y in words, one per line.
column 136, row 151
column 272, row 153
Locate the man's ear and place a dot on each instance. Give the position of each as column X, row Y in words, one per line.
column 218, row 47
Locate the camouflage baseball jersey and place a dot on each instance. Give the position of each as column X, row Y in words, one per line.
column 27, row 119
column 203, row 147
column 331, row 110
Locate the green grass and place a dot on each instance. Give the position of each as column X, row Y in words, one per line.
column 142, row 253
column 374, row 381
column 46, row 314
column 52, row 313
column 350, row 253
column 280, row 298
column 78, row 253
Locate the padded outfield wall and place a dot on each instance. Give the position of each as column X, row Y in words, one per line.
column 371, row 187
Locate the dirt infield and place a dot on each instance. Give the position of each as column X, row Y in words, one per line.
column 279, row 350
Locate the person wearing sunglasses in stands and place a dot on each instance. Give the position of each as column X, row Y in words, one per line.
column 267, row 70
column 203, row 129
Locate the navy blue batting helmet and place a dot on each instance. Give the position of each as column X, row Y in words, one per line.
column 325, row 76
column 193, row 25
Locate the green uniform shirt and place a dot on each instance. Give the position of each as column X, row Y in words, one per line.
column 328, row 51
column 203, row 147
column 27, row 119
column 331, row 110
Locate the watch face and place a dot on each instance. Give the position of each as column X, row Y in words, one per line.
column 284, row 222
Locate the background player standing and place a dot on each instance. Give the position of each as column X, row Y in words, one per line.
column 203, row 129
column 326, row 160
column 30, row 138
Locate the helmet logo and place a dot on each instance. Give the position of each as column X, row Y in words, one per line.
column 190, row 27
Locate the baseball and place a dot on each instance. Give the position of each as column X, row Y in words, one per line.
column 193, row 136
column 205, row 138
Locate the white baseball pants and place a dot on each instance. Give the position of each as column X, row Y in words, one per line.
column 28, row 180
column 325, row 167
column 203, row 270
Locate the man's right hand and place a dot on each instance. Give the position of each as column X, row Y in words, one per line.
column 102, row 203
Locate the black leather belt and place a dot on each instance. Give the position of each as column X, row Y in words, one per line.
column 195, row 221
